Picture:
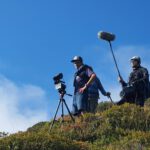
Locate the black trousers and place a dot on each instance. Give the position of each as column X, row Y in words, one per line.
column 136, row 98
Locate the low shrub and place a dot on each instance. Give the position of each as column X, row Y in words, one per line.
column 124, row 127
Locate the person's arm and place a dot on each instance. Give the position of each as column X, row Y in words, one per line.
column 92, row 78
column 122, row 82
column 101, row 88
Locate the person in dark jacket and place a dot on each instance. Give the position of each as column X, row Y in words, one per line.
column 83, row 77
column 135, row 91
column 86, row 88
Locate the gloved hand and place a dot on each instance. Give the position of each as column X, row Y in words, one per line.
column 120, row 79
column 108, row 94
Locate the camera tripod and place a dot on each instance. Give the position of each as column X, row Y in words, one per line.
column 62, row 102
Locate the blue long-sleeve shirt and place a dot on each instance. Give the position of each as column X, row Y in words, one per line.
column 95, row 87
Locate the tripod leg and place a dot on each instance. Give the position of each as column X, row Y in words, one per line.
column 54, row 117
column 68, row 110
column 62, row 115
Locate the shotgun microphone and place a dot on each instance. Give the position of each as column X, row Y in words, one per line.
column 106, row 36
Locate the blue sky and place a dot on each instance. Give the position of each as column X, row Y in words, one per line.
column 39, row 38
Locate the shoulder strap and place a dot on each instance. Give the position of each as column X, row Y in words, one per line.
column 83, row 69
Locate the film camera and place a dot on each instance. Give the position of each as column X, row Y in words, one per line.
column 59, row 84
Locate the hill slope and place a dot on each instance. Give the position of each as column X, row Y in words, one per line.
column 125, row 127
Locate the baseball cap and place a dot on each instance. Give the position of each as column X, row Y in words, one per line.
column 77, row 58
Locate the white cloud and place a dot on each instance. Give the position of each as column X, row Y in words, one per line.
column 17, row 105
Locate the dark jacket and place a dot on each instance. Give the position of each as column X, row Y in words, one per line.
column 82, row 74
column 139, row 79
column 94, row 87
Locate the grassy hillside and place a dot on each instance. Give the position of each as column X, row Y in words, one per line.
column 125, row 127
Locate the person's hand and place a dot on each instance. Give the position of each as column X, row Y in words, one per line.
column 120, row 79
column 81, row 90
column 108, row 94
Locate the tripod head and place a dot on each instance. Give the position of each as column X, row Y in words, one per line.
column 60, row 85
column 62, row 94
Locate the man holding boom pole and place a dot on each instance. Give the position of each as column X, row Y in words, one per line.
column 137, row 88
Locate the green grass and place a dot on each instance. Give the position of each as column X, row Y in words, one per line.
column 125, row 127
